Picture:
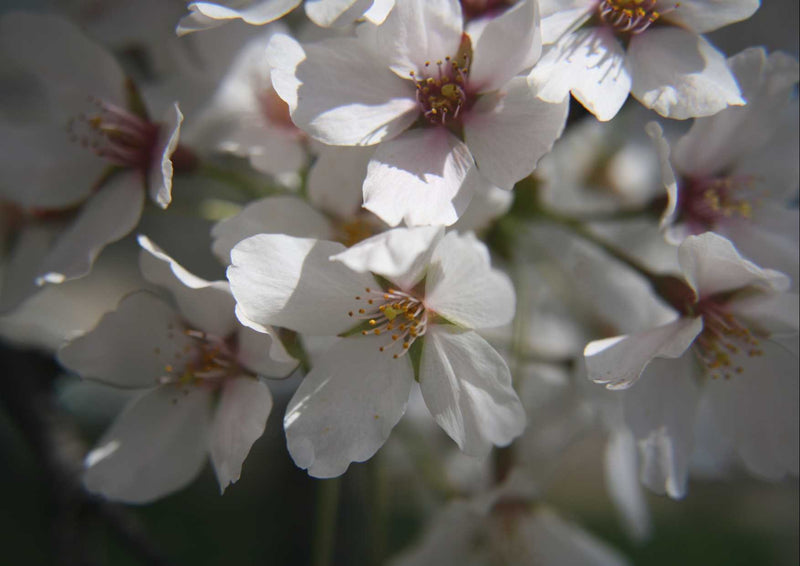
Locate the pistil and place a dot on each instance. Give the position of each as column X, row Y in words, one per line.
column 398, row 315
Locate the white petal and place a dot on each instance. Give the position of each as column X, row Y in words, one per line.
column 668, row 179
column 621, row 479
column 291, row 282
column 263, row 353
column 466, row 385
column 35, row 161
column 420, row 31
column 271, row 215
column 335, row 179
column 462, row 286
column 401, row 255
column 346, row 407
column 418, row 177
column 159, row 182
column 680, row 75
column 773, row 314
column 660, row 411
column 156, row 446
column 718, row 142
column 619, row 362
column 206, row 15
column 62, row 56
column 589, row 63
column 205, row 305
column 339, row 92
column 507, row 45
column 106, row 217
column 239, row 421
column 758, row 410
column 132, row 346
column 712, row 265
column 379, row 11
column 702, row 16
column 560, row 16
column 21, row 267
column 509, row 131
column 335, row 12
column 554, row 541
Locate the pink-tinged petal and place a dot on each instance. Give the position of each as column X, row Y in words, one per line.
column 205, row 305
column 271, row 215
column 718, row 142
column 132, row 346
column 400, row 255
column 328, row 13
column 291, row 282
column 507, row 45
column 621, row 466
column 758, row 410
column 263, row 353
column 59, row 54
column 346, row 407
column 554, row 541
column 712, row 265
column 339, row 92
column 419, row 178
column 466, row 385
column 335, row 179
column 207, row 15
column 591, row 64
column 20, row 269
column 462, row 286
column 106, row 217
column 156, row 446
column 680, row 75
column 508, row 132
column 670, row 214
column 702, row 16
column 619, row 362
column 159, row 181
column 420, row 31
column 239, row 420
column 660, row 412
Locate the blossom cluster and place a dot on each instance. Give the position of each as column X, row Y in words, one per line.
column 423, row 203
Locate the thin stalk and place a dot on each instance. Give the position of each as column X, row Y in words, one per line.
column 325, row 521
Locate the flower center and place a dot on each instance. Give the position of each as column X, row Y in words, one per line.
column 115, row 134
column 705, row 202
column 398, row 315
column 443, row 96
column 723, row 339
column 628, row 16
column 211, row 361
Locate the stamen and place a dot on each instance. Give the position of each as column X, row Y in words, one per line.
column 705, row 202
column 723, row 339
column 630, row 17
column 401, row 315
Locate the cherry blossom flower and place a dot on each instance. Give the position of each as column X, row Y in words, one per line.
column 654, row 49
column 735, row 172
column 198, row 372
column 735, row 341
column 405, row 302
column 207, row 15
column 247, row 118
column 506, row 526
column 79, row 174
column 441, row 101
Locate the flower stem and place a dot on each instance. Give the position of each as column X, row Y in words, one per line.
column 325, row 521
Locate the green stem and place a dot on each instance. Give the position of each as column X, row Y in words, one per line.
column 325, row 521
column 243, row 183
column 579, row 229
